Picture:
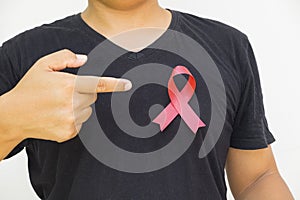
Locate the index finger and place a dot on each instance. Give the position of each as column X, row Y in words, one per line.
column 94, row 84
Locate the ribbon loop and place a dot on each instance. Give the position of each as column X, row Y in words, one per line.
column 179, row 102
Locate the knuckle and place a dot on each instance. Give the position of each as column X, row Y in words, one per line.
column 65, row 51
column 66, row 117
column 78, row 128
column 68, row 133
column 102, row 85
column 69, row 86
column 74, row 133
column 68, row 54
column 89, row 111
column 64, row 93
column 70, row 120
column 41, row 61
column 60, row 140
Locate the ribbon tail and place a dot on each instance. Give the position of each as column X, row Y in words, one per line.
column 166, row 117
column 191, row 119
column 201, row 123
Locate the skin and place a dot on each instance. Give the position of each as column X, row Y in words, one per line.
column 111, row 17
column 252, row 174
column 57, row 112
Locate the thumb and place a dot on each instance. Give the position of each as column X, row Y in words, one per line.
column 63, row 59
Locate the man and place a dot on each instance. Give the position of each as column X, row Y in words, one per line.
column 37, row 110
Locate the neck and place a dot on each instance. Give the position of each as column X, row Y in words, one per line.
column 109, row 21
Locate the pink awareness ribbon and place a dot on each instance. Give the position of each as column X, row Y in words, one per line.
column 179, row 102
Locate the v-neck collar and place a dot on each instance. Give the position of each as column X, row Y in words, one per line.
column 98, row 37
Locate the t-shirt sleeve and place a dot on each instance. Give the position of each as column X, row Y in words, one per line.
column 250, row 129
column 8, row 79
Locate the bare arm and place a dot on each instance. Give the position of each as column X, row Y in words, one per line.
column 9, row 136
column 253, row 175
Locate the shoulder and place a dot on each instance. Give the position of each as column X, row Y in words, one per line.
column 209, row 25
column 216, row 32
column 222, row 41
column 27, row 47
column 43, row 31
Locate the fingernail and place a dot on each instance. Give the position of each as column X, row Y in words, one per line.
column 81, row 58
column 127, row 84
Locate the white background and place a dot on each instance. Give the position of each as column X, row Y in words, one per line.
column 273, row 27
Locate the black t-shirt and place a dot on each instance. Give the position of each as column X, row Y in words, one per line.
column 69, row 171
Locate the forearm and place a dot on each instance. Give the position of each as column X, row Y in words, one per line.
column 269, row 186
column 10, row 136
